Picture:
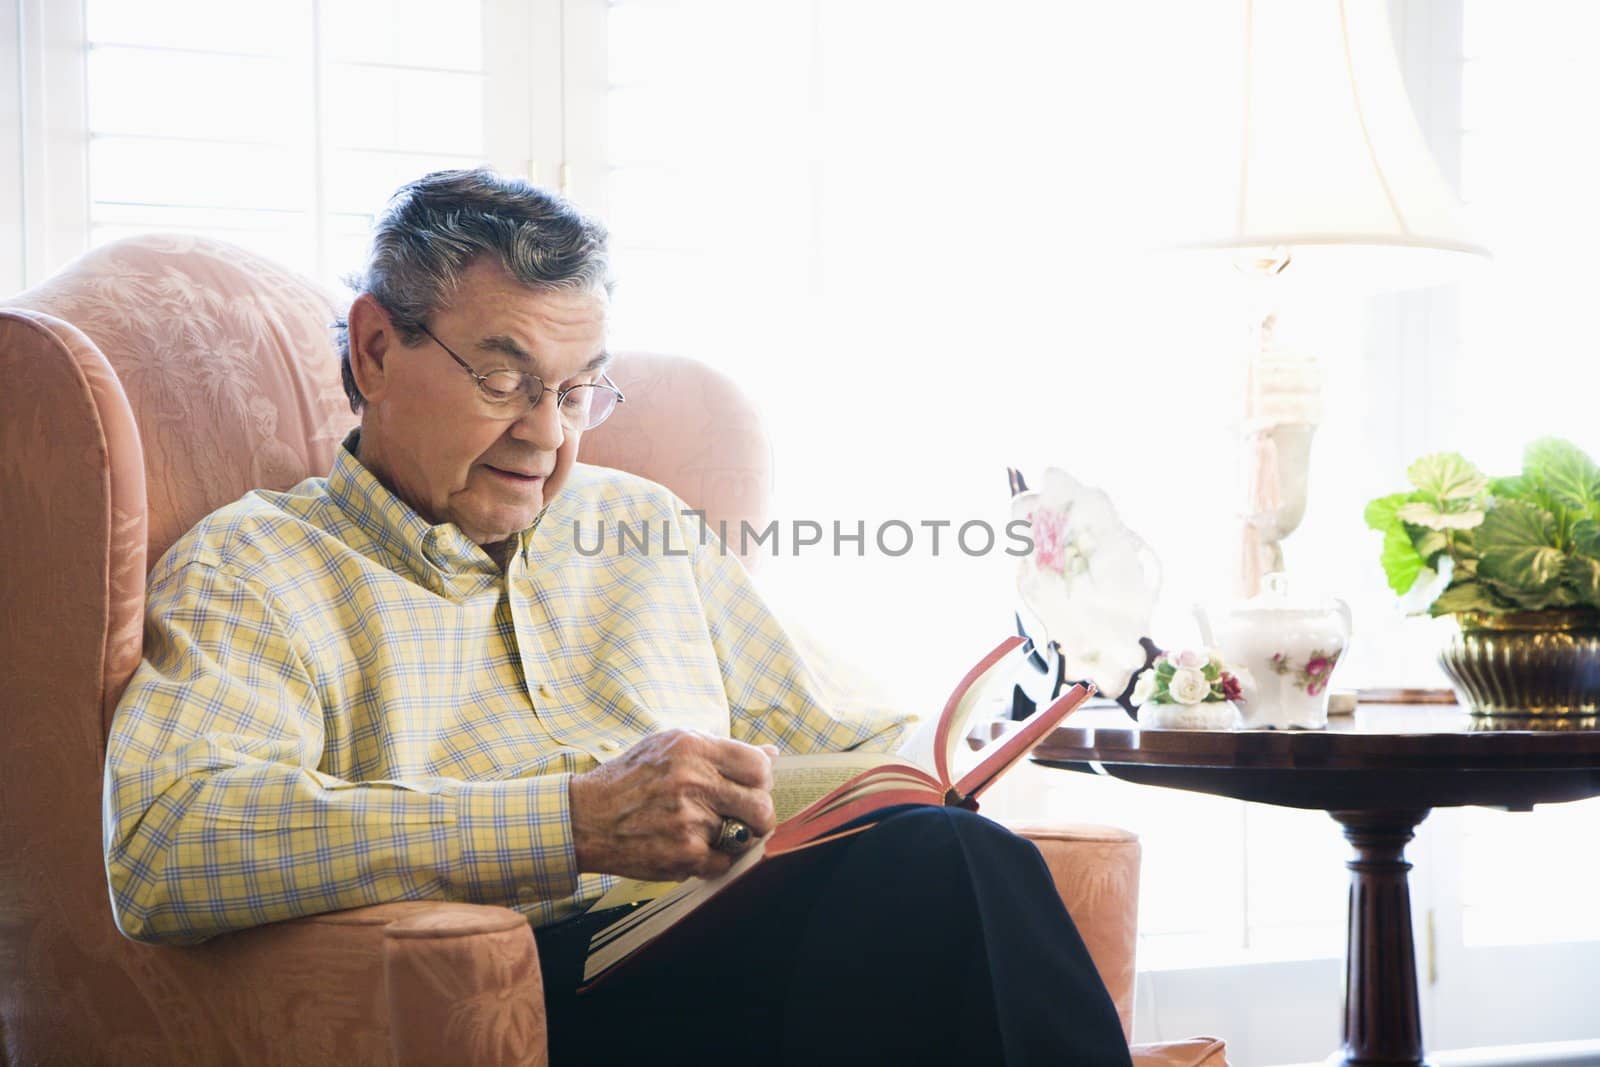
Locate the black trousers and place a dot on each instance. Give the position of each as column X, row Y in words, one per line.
column 936, row 936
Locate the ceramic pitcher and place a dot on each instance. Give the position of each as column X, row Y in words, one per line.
column 1291, row 647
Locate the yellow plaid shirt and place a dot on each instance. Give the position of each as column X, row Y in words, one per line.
column 341, row 704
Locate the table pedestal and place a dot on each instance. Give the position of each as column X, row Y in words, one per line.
column 1382, row 1020
column 1378, row 772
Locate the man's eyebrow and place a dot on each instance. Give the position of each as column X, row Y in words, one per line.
column 509, row 346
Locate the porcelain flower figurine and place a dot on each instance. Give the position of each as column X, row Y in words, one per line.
column 1191, row 689
column 1090, row 582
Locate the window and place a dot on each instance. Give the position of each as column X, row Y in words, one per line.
column 925, row 262
column 921, row 260
column 1530, row 165
column 283, row 127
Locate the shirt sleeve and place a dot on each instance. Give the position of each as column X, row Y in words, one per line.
column 774, row 697
column 217, row 818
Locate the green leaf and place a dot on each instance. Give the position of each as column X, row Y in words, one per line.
column 1464, row 596
column 1429, row 515
column 1518, row 599
column 1515, row 488
column 1582, row 576
column 1447, row 476
column 1518, row 547
column 1431, row 544
column 1562, row 595
column 1566, row 519
column 1381, row 513
column 1401, row 561
column 1562, row 468
column 1586, row 538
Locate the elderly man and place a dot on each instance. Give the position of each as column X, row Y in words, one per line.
column 403, row 681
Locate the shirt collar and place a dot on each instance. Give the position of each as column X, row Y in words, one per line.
column 435, row 555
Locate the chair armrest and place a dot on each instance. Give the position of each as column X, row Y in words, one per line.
column 1096, row 871
column 464, row 987
column 1195, row 1052
column 408, row 983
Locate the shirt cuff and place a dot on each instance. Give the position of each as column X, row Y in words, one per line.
column 516, row 840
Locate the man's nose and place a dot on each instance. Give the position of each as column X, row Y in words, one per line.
column 540, row 425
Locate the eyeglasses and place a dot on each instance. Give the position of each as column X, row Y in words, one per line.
column 582, row 407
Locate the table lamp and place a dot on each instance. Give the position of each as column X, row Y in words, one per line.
column 1331, row 185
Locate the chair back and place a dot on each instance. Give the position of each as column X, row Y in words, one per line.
column 694, row 431
column 150, row 382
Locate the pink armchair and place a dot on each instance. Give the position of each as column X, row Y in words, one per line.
column 150, row 382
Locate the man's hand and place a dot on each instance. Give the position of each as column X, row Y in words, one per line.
column 655, row 811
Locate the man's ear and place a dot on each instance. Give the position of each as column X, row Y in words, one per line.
column 372, row 338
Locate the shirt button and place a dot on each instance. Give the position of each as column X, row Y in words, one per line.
column 544, row 690
column 609, row 745
column 525, row 892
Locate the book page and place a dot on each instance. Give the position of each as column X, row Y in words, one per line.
column 1000, row 756
column 918, row 746
column 982, row 687
column 614, row 943
column 917, row 787
column 629, row 890
column 799, row 780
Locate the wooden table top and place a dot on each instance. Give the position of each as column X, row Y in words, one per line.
column 1382, row 756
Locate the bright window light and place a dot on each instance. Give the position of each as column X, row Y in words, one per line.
column 279, row 127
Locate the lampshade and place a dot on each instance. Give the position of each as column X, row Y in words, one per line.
column 1330, row 164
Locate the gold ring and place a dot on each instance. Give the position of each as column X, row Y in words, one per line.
column 734, row 837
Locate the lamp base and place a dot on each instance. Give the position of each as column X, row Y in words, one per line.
column 1282, row 406
column 1277, row 468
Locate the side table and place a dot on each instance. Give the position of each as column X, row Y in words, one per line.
column 1378, row 773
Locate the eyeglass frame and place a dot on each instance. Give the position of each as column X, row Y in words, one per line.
column 561, row 394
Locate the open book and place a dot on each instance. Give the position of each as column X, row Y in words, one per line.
column 831, row 795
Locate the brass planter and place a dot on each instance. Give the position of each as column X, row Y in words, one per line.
column 1526, row 664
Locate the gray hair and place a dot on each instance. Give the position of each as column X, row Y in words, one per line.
column 434, row 227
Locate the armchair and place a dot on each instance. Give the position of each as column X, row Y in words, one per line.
column 151, row 381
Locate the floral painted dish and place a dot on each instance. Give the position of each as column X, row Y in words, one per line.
column 1089, row 585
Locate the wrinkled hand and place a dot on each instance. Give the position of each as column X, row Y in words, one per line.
column 655, row 811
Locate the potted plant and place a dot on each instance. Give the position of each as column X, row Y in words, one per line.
column 1516, row 562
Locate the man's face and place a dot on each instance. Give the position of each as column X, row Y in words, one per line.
column 446, row 452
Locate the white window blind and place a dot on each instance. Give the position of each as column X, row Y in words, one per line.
column 281, row 127
column 1530, row 366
